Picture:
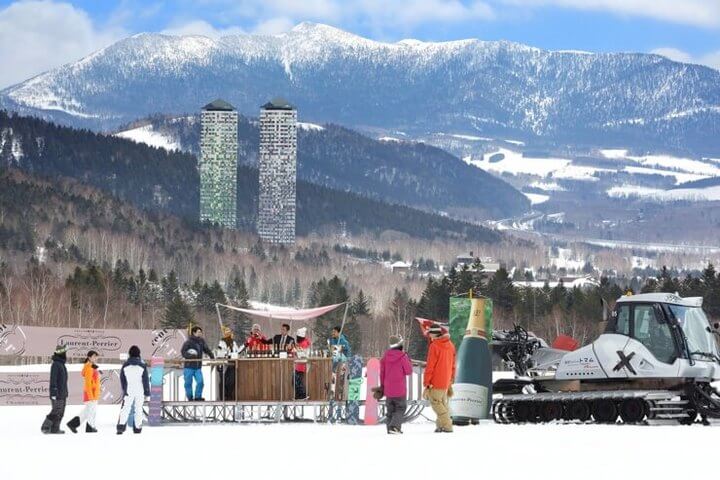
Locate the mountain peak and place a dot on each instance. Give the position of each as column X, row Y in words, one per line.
column 482, row 88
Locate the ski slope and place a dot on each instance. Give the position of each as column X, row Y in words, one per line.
column 149, row 136
column 306, row 450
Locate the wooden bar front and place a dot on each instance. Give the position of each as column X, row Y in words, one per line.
column 273, row 379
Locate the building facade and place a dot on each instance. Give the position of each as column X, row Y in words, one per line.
column 218, row 164
column 278, row 172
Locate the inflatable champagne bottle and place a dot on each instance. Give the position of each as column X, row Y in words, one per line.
column 473, row 378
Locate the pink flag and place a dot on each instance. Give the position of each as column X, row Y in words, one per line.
column 425, row 325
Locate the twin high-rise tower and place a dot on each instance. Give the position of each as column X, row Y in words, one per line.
column 278, row 172
column 277, row 168
column 218, row 163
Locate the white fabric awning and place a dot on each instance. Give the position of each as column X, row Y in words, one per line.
column 284, row 313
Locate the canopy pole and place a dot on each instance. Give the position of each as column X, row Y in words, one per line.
column 342, row 325
column 217, row 309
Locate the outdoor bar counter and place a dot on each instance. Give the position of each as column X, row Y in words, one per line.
column 273, row 379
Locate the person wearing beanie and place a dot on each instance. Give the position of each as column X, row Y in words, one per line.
column 58, row 391
column 395, row 366
column 227, row 348
column 439, row 377
column 136, row 388
column 301, row 348
column 91, row 395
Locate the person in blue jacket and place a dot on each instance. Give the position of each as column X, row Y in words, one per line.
column 135, row 383
column 340, row 346
column 193, row 349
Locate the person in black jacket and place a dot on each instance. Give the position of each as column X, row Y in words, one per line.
column 58, row 391
column 283, row 341
column 193, row 349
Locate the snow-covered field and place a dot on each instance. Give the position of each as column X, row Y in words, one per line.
column 515, row 163
column 149, row 136
column 689, row 194
column 537, row 198
column 503, row 452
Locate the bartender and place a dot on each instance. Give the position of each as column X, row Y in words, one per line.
column 283, row 341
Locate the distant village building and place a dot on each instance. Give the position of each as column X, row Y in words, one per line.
column 400, row 267
column 218, row 163
column 278, row 172
column 489, row 264
column 586, row 281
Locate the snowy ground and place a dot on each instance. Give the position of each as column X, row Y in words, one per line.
column 307, row 450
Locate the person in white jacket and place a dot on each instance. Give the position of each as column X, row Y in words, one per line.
column 227, row 349
column 136, row 388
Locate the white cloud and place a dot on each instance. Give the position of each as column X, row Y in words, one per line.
column 702, row 13
column 201, row 27
column 274, row 26
column 711, row 59
column 36, row 36
column 378, row 14
column 410, row 13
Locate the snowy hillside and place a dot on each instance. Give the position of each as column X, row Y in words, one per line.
column 612, row 172
column 472, row 88
column 149, row 136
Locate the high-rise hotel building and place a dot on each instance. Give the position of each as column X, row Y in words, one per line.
column 278, row 172
column 218, row 163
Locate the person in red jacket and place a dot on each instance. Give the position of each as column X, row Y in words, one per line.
column 301, row 347
column 256, row 340
column 395, row 366
column 439, row 377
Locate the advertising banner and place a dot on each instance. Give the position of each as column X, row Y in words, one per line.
column 24, row 341
column 459, row 315
column 34, row 388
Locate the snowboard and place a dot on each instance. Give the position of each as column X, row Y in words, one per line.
column 355, row 368
column 373, row 380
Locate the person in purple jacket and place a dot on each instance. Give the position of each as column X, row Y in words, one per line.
column 394, row 367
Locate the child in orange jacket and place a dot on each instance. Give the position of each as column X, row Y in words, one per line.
column 91, row 395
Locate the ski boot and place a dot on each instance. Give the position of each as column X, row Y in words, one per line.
column 73, row 424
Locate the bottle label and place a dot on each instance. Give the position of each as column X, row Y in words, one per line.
column 469, row 401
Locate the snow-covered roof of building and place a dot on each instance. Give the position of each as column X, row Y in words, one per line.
column 662, row 298
column 219, row 104
column 278, row 103
column 400, row 264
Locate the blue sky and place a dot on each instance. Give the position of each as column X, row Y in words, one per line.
column 38, row 35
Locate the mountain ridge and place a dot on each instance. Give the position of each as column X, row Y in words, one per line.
column 464, row 86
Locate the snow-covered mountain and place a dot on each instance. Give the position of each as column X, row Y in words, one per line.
column 468, row 87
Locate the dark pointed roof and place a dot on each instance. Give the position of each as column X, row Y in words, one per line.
column 219, row 104
column 278, row 103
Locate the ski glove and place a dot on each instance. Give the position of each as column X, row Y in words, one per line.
column 426, row 393
column 450, row 392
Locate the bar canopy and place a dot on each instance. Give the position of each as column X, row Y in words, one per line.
column 285, row 313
